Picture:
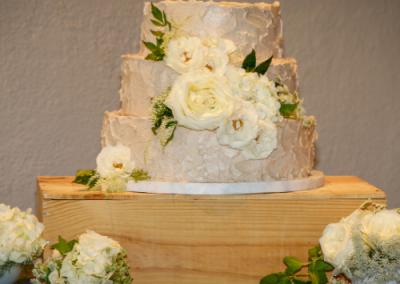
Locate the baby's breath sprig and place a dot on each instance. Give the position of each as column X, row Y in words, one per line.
column 163, row 119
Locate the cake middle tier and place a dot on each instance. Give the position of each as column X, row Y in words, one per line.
column 144, row 79
column 196, row 156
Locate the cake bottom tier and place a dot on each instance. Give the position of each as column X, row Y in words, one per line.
column 196, row 156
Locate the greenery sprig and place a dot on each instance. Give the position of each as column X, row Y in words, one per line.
column 250, row 62
column 112, row 184
column 157, row 50
column 317, row 268
column 63, row 246
column 163, row 118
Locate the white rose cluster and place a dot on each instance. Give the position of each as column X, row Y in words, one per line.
column 20, row 235
column 213, row 94
column 355, row 235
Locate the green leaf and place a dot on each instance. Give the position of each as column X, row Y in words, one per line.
column 151, row 56
column 322, row 265
column 171, row 123
column 276, row 278
column 158, row 24
column 262, row 68
column 277, row 84
column 63, row 246
column 287, row 109
column 297, row 280
column 249, row 62
column 166, row 21
column 171, row 137
column 151, row 46
column 159, row 43
column 156, row 12
column 314, row 252
column 83, row 177
column 157, row 33
column 294, row 264
column 140, row 175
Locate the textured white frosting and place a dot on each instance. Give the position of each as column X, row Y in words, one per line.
column 144, row 79
column 196, row 156
column 257, row 26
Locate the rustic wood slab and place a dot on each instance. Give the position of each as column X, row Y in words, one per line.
column 202, row 238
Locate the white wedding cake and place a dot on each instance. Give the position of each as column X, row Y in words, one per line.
column 223, row 119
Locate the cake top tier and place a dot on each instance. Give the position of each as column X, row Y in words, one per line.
column 257, row 26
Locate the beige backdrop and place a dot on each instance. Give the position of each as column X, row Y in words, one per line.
column 60, row 70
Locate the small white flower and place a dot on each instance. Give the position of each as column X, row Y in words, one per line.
column 185, row 54
column 263, row 145
column 336, row 243
column 225, row 45
column 53, row 276
column 115, row 161
column 241, row 127
column 201, row 100
column 6, row 214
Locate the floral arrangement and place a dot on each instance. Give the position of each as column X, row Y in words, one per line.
column 362, row 248
column 114, row 169
column 212, row 93
column 365, row 246
column 92, row 259
column 20, row 238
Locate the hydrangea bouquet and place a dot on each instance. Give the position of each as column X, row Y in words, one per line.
column 93, row 259
column 20, row 238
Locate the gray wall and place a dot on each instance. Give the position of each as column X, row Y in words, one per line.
column 60, row 70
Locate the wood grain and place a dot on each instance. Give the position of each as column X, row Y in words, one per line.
column 336, row 187
column 203, row 239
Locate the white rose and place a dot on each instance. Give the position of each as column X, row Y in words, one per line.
column 241, row 127
column 336, row 243
column 356, row 217
column 201, row 100
column 185, row 54
column 263, row 145
column 385, row 224
column 115, row 161
column 215, row 61
column 6, row 214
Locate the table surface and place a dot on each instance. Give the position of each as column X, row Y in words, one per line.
column 336, row 187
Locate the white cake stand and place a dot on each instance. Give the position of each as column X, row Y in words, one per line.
column 316, row 180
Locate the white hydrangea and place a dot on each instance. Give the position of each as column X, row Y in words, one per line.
column 241, row 127
column 263, row 145
column 20, row 235
column 87, row 262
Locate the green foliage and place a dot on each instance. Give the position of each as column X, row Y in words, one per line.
column 249, row 64
column 63, row 246
column 157, row 52
column 140, row 175
column 317, row 268
column 287, row 109
column 294, row 264
column 120, row 269
column 86, row 178
column 262, row 68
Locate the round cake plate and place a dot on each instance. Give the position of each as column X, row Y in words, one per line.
column 315, row 180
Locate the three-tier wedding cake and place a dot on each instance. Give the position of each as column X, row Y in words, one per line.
column 209, row 98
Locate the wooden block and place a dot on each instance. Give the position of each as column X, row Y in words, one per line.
column 201, row 238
